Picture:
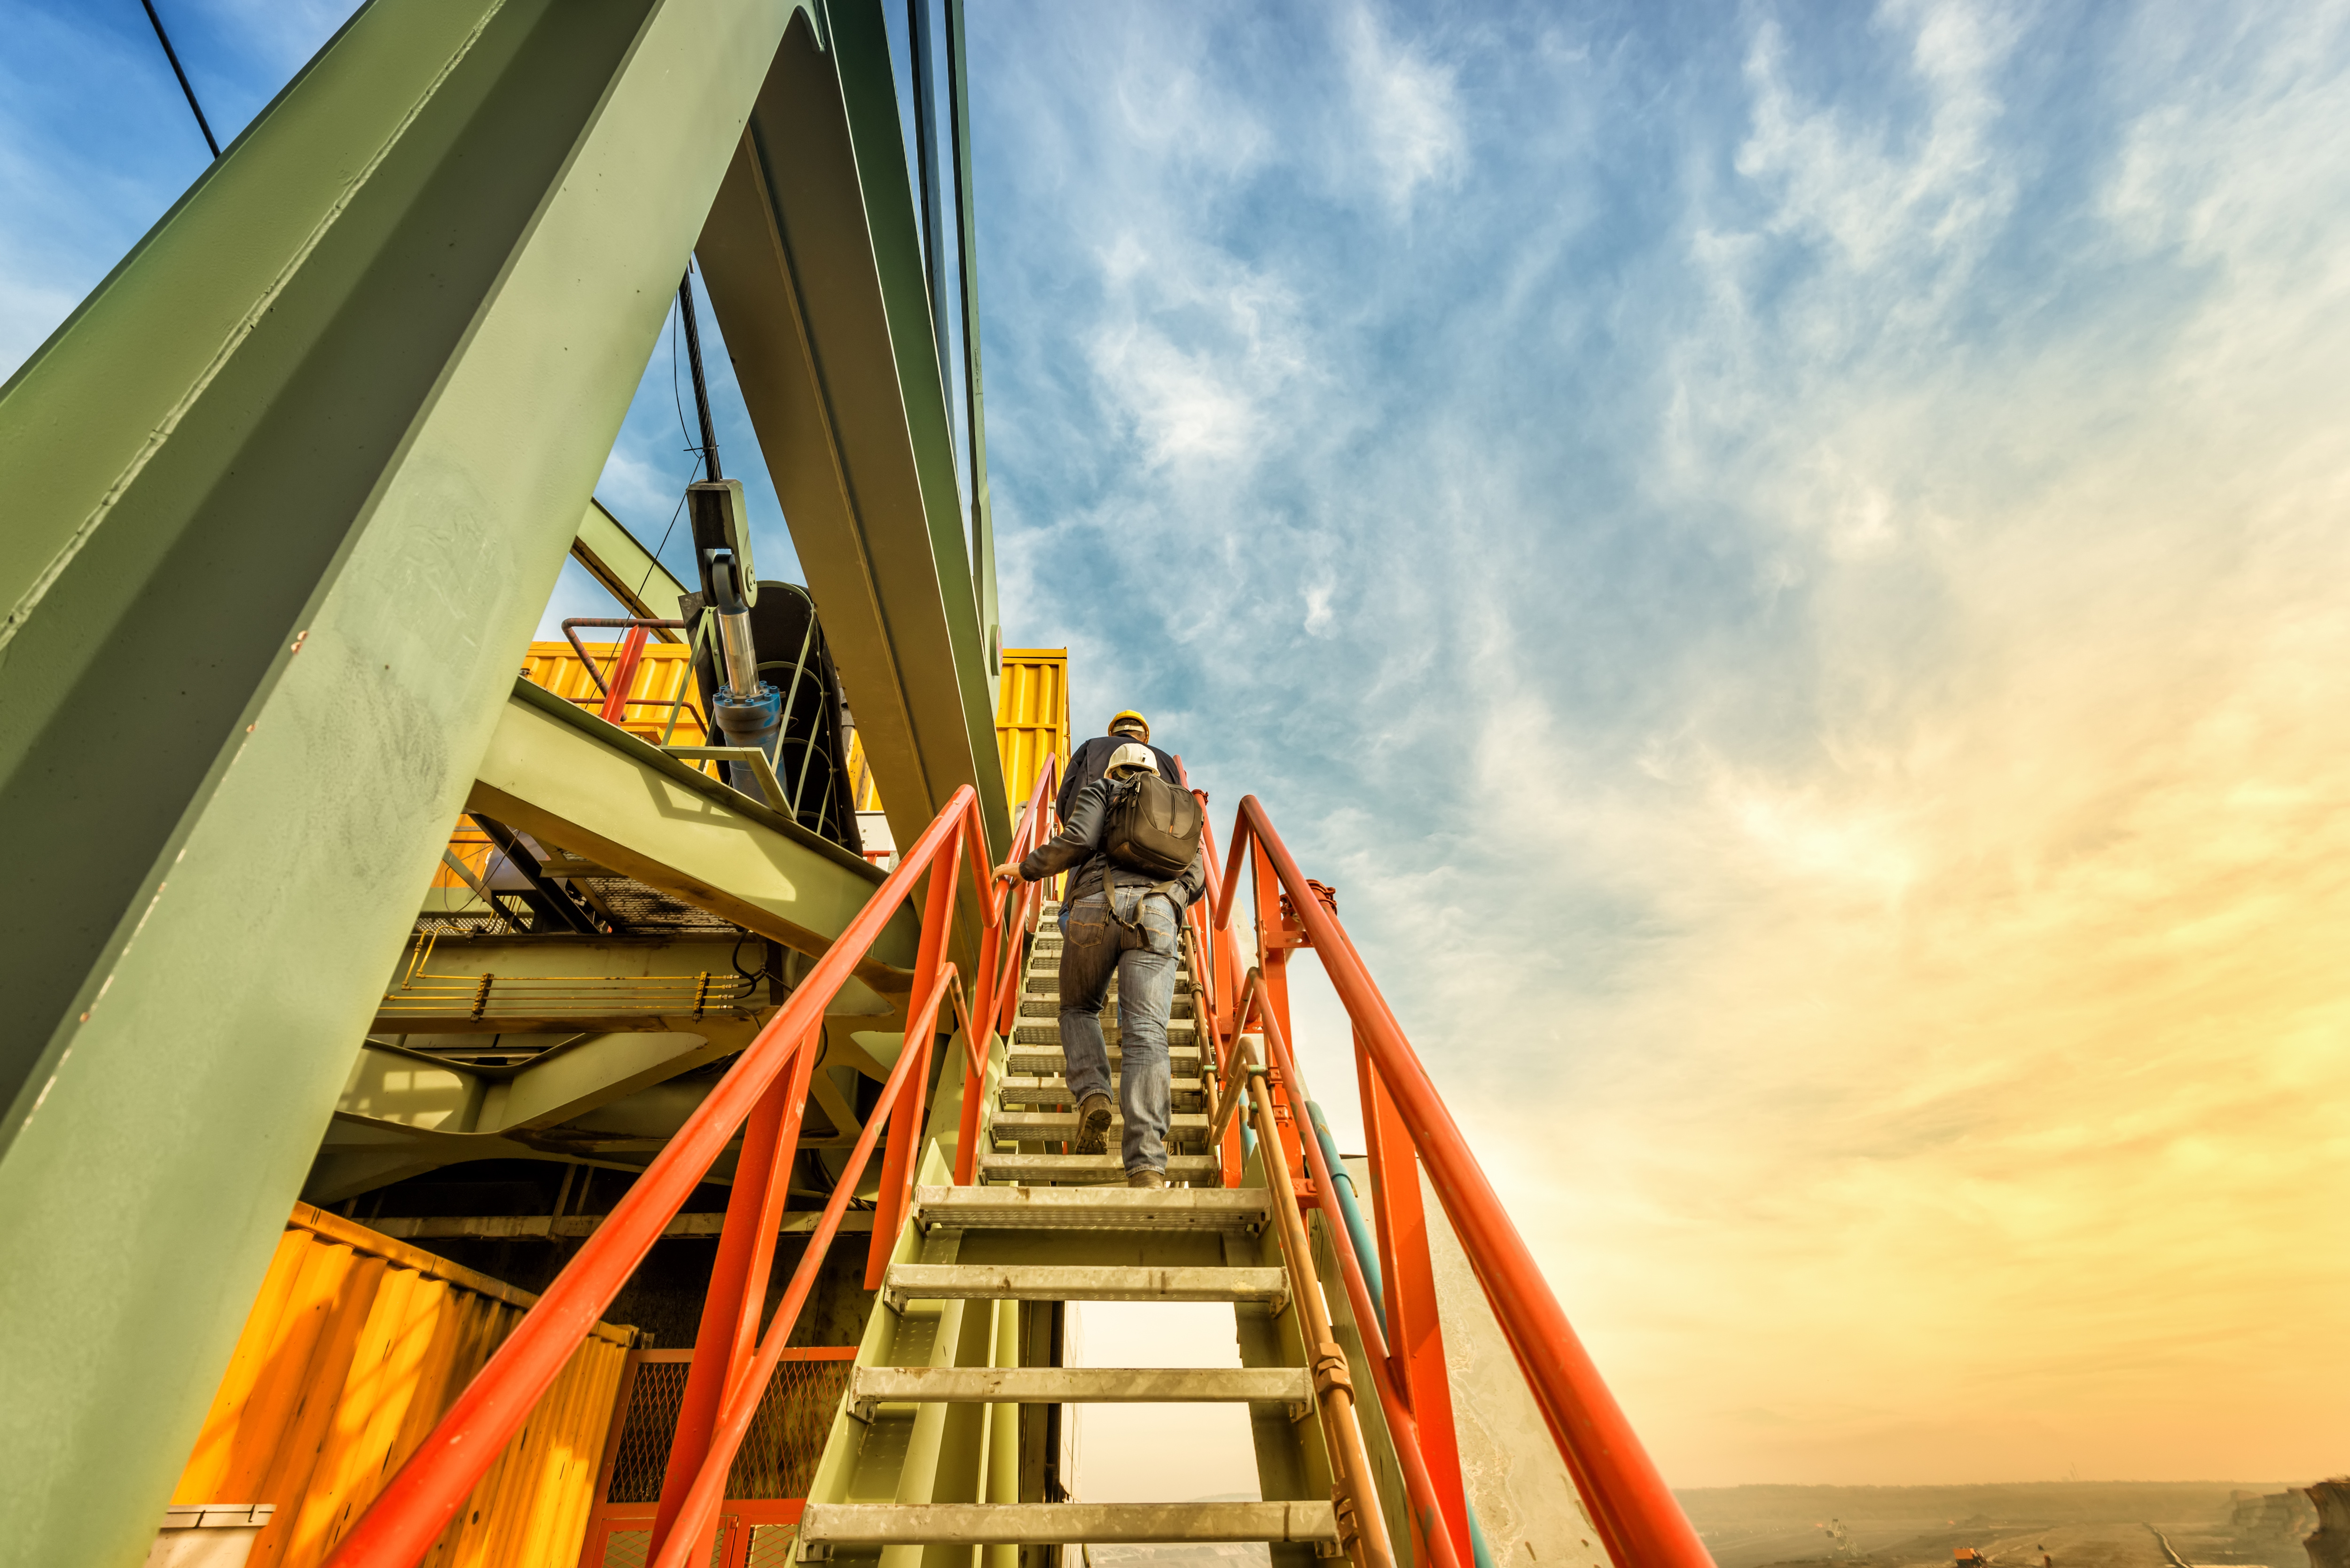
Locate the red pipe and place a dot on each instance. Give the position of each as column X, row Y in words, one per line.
column 624, row 676
column 416, row 1505
column 1637, row 1518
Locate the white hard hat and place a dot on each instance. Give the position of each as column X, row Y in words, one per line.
column 1133, row 754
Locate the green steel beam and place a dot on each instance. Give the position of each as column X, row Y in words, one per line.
column 630, row 573
column 982, row 513
column 573, row 781
column 428, row 1113
column 813, row 259
column 286, row 495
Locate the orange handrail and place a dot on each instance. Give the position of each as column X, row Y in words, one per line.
column 1403, row 1430
column 418, row 1502
column 999, row 1011
column 1638, row 1519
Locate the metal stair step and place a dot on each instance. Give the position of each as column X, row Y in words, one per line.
column 1027, row 1061
column 1180, row 1035
column 825, row 1525
column 1047, row 977
column 1055, row 1091
column 872, row 1385
column 1182, row 1009
column 903, row 1283
column 1089, row 1168
column 1030, row 1124
column 1238, row 1210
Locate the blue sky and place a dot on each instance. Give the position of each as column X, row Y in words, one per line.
column 1786, row 560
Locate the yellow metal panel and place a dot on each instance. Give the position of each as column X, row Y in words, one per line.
column 1031, row 716
column 354, row 1346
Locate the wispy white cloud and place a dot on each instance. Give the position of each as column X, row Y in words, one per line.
column 1407, row 118
column 1801, row 613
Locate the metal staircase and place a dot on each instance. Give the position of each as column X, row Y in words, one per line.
column 1059, row 1236
column 983, row 1223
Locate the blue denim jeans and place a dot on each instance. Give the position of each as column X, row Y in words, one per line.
column 1142, row 956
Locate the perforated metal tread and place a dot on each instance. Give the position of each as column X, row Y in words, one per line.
column 1028, row 1061
column 825, row 1525
column 903, row 1283
column 1052, row 1009
column 1048, row 1033
column 1240, row 1210
column 869, row 1386
column 1054, row 1090
column 1067, row 1169
column 1034, row 1125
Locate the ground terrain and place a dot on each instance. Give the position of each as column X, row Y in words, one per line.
column 2074, row 1524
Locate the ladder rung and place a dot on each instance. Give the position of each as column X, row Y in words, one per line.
column 854, row 1524
column 872, row 1385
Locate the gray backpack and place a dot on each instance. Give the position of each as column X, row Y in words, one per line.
column 1153, row 826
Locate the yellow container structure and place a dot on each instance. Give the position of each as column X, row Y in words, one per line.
column 354, row 1347
column 1031, row 716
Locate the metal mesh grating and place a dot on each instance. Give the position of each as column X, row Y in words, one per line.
column 771, row 1545
column 632, row 1548
column 779, row 1454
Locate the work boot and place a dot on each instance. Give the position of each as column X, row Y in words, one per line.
column 1154, row 1179
column 1093, row 1121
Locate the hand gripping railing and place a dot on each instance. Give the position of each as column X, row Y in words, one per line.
column 758, row 1095
column 1638, row 1520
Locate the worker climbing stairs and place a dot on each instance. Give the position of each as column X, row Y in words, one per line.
column 1035, row 1111
column 947, row 1338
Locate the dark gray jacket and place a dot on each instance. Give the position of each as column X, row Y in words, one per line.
column 1092, row 760
column 1078, row 843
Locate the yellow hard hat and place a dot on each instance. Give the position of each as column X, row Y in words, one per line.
column 1120, row 718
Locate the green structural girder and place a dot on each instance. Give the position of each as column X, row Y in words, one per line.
column 813, row 259
column 629, row 572
column 403, row 1113
column 286, row 498
column 571, row 780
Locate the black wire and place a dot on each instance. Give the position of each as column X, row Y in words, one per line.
column 693, row 362
column 172, row 54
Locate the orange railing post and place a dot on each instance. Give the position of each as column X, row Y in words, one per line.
column 1408, row 1279
column 699, row 1515
column 417, row 1503
column 996, row 1001
column 1638, row 1519
column 738, row 1277
column 931, row 972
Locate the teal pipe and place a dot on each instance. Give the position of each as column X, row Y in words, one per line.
column 1366, row 1253
column 1367, row 1256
